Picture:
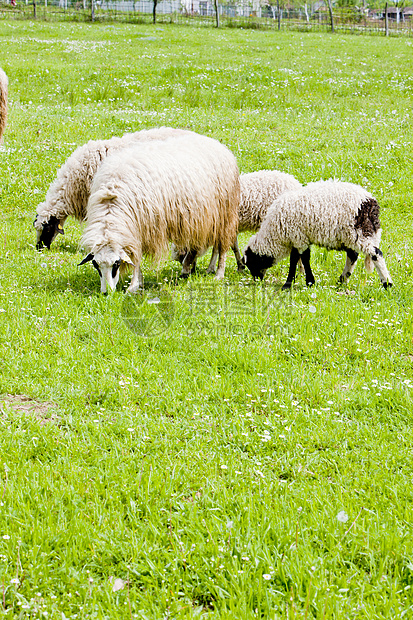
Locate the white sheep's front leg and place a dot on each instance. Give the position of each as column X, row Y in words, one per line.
column 136, row 284
column 221, row 266
column 213, row 262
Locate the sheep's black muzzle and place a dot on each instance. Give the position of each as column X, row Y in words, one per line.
column 257, row 263
column 49, row 231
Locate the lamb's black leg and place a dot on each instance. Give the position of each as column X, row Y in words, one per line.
column 305, row 259
column 351, row 260
column 294, row 258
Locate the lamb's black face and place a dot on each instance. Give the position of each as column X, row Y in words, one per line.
column 257, row 263
column 49, row 232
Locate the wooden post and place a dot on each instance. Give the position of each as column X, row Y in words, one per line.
column 386, row 19
column 330, row 9
column 216, row 12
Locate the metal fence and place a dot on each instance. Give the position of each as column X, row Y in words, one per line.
column 173, row 11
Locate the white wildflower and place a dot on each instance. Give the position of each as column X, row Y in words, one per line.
column 118, row 584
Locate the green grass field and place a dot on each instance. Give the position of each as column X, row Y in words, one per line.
column 238, row 452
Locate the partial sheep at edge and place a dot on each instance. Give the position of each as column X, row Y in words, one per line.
column 3, row 103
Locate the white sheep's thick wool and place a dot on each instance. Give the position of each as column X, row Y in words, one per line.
column 69, row 192
column 258, row 191
column 3, row 102
column 184, row 190
column 331, row 214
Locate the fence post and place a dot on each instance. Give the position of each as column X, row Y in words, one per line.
column 216, row 12
column 330, row 9
column 386, row 19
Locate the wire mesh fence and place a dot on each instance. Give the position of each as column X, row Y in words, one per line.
column 231, row 15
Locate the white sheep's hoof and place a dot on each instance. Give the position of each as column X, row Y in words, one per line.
column 210, row 270
column 134, row 290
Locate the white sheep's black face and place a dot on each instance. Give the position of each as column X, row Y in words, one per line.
column 107, row 264
column 47, row 231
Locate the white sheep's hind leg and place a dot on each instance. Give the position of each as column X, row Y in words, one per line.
column 380, row 265
column 213, row 262
column 188, row 261
column 351, row 260
column 221, row 266
column 240, row 262
column 136, row 284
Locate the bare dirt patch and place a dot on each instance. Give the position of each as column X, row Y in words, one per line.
column 44, row 412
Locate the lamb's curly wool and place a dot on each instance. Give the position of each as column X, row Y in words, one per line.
column 69, row 192
column 184, row 190
column 3, row 102
column 331, row 214
column 258, row 192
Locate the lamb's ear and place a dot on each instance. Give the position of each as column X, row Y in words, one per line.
column 125, row 257
column 59, row 228
column 88, row 258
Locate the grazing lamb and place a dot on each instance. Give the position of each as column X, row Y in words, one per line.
column 184, row 190
column 3, row 103
column 258, row 192
column 331, row 214
column 69, row 192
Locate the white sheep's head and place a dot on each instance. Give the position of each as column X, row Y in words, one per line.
column 107, row 263
column 47, row 230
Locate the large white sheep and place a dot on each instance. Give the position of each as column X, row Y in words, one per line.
column 69, row 192
column 184, row 190
column 3, row 102
column 331, row 214
column 258, row 192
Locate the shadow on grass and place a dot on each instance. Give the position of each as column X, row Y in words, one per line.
column 66, row 247
column 82, row 284
column 86, row 283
